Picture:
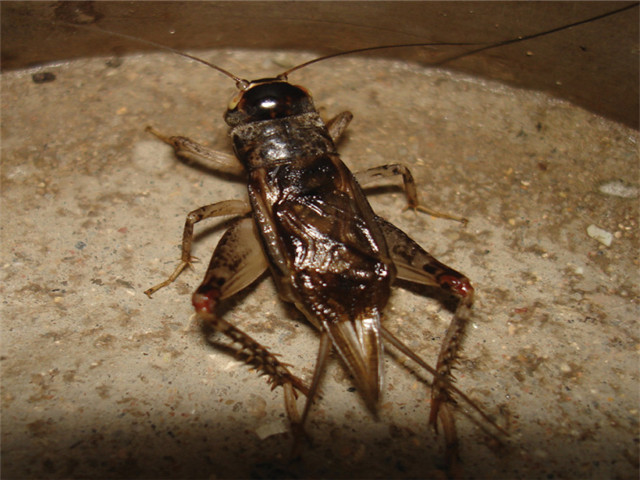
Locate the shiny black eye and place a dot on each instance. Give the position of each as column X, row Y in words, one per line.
column 267, row 101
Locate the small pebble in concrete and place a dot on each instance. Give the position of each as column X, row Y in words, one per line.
column 619, row 188
column 600, row 235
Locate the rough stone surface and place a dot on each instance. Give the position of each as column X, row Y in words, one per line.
column 100, row 381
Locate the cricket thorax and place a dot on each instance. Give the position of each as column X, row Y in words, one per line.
column 273, row 142
column 273, row 122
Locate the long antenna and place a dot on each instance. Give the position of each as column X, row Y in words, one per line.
column 241, row 83
column 380, row 47
column 535, row 35
column 483, row 46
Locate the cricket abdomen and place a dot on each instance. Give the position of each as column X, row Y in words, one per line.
column 319, row 232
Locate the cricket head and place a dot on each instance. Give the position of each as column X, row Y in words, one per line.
column 267, row 99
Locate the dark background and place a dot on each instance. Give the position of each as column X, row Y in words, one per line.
column 594, row 65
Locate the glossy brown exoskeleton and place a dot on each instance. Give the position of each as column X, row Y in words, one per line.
column 309, row 222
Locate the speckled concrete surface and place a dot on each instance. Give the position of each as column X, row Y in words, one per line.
column 100, row 381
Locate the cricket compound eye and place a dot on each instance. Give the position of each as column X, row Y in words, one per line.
column 268, row 99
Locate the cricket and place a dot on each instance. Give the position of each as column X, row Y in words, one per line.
column 307, row 222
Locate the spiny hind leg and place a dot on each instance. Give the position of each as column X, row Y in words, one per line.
column 416, row 265
column 237, row 261
column 366, row 177
column 228, row 207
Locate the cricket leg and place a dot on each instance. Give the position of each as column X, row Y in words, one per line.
column 188, row 149
column 238, row 261
column 444, row 413
column 416, row 265
column 338, row 124
column 365, row 177
column 319, row 369
column 227, row 207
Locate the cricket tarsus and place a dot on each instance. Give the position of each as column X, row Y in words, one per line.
column 413, row 202
column 228, row 207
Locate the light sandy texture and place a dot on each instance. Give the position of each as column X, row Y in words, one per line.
column 100, row 381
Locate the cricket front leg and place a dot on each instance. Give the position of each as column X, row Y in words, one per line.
column 338, row 124
column 366, row 177
column 188, row 149
column 228, row 207
column 237, row 261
